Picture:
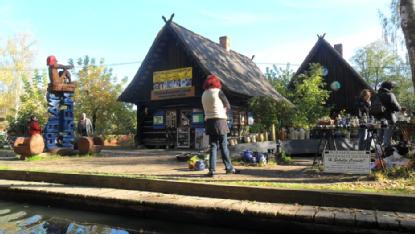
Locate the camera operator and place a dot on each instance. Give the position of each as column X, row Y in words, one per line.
column 392, row 106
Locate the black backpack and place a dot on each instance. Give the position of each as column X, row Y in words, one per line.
column 377, row 109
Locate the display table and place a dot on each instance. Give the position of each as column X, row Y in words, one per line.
column 310, row 146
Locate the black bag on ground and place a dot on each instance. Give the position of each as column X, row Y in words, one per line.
column 377, row 109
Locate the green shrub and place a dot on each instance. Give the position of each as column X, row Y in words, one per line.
column 285, row 159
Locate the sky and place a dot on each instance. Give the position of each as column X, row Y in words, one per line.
column 122, row 31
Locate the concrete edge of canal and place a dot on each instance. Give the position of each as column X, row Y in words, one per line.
column 233, row 214
column 370, row 201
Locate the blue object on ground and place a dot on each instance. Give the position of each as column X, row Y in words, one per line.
column 200, row 165
column 247, row 155
column 261, row 159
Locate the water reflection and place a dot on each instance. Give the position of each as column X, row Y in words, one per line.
column 24, row 218
column 14, row 221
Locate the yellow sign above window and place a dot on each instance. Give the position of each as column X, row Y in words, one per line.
column 170, row 79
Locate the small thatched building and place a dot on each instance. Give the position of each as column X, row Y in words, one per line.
column 167, row 88
column 337, row 72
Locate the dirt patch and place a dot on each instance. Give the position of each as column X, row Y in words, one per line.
column 163, row 163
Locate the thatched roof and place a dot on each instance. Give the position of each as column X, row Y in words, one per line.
column 323, row 44
column 238, row 73
column 338, row 70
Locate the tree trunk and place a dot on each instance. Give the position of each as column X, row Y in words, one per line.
column 407, row 13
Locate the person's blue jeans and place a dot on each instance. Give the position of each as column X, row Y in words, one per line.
column 219, row 141
column 364, row 139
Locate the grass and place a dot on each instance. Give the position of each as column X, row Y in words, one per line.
column 391, row 181
column 391, row 187
column 395, row 186
column 285, row 159
column 379, row 184
column 395, row 173
column 4, row 167
column 42, row 157
column 49, row 156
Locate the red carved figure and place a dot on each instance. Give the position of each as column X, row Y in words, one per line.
column 58, row 73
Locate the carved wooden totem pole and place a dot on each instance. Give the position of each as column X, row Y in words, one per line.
column 59, row 131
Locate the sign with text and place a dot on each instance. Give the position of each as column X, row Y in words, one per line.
column 347, row 162
column 172, row 93
column 172, row 79
column 174, row 83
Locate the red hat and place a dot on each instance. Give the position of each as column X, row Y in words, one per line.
column 51, row 60
column 212, row 81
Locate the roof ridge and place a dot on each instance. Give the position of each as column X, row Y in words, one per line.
column 239, row 73
column 321, row 41
column 345, row 62
column 210, row 40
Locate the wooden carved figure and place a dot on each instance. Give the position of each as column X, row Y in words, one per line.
column 58, row 73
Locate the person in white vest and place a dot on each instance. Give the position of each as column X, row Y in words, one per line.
column 215, row 105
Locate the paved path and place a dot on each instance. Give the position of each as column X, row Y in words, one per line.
column 234, row 213
column 163, row 164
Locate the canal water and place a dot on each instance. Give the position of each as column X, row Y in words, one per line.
column 26, row 218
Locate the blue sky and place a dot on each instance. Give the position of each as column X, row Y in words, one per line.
column 278, row 31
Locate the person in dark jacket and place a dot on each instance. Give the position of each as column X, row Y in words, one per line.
column 392, row 106
column 215, row 105
column 362, row 109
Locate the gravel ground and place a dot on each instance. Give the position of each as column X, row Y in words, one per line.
column 163, row 163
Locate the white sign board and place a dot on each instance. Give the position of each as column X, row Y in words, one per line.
column 347, row 162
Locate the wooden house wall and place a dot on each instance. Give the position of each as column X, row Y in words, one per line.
column 171, row 54
column 345, row 97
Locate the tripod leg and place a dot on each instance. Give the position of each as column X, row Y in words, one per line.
column 379, row 156
column 334, row 142
column 318, row 150
column 326, row 142
column 369, row 138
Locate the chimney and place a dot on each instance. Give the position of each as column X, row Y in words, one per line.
column 339, row 48
column 224, row 41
